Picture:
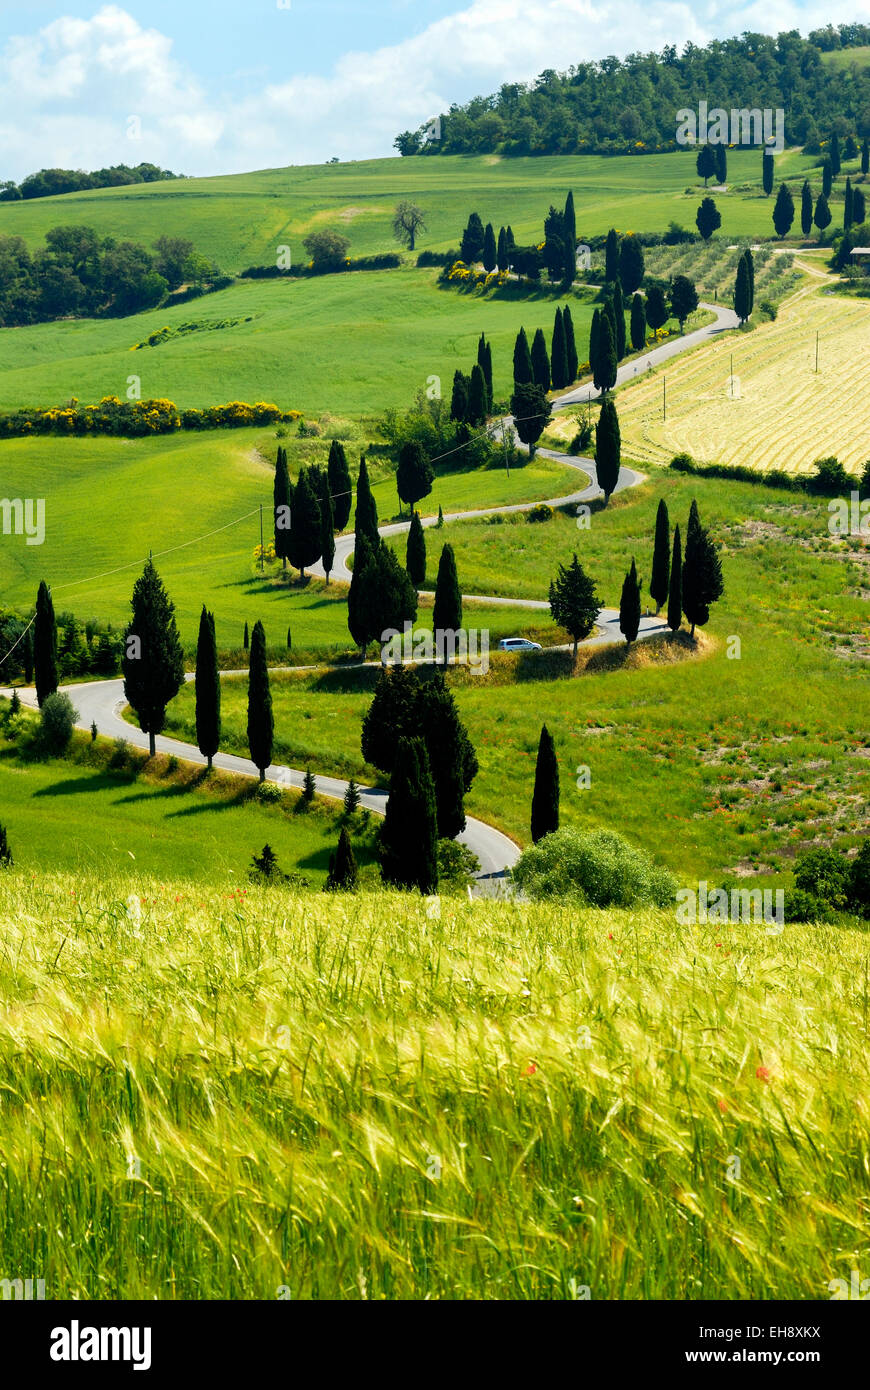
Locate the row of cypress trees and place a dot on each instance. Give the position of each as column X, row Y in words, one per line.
column 307, row 516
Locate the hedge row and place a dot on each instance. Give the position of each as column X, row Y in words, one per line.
column 134, row 419
column 388, row 261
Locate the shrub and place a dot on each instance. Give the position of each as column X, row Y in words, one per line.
column 767, row 310
column 801, row 906
column 264, row 867
column 5, row 851
column 540, row 513
column 57, row 720
column 594, row 867
column 859, row 881
column 683, row 463
column 824, row 874
column 831, row 478
column 457, row 864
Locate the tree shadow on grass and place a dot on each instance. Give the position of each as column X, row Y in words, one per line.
column 97, row 782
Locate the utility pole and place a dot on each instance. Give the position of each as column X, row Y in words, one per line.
column 664, row 398
column 262, row 547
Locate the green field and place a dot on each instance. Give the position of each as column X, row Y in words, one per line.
column 287, row 1096
column 98, row 815
column 108, row 501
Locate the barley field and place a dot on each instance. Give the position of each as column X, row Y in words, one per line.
column 257, row 1095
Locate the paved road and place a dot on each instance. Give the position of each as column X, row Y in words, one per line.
column 100, row 702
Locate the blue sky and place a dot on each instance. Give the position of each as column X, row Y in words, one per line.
column 221, row 86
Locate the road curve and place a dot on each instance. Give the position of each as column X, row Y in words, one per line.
column 100, row 702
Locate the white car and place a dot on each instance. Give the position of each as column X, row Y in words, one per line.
column 518, row 644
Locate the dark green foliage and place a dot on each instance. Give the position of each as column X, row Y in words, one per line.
column 392, row 714
column 471, row 248
column 366, row 518
column 830, row 477
column 57, row 719
column 767, row 172
column 859, row 208
column 415, row 474
column 618, row 317
column 264, row 866
column 282, row 501
column 822, row 214
column 824, row 874
column 631, row 264
column 806, row 209
column 545, row 798
column 708, row 218
column 743, row 289
column 490, row 252
column 706, row 163
column 675, row 590
column 289, row 640
column 629, row 606
column 540, row 361
column 381, row 597
column 327, row 524
column 44, row 645
column 721, row 164
column 246, row 641
column 408, row 840
column 459, row 398
column 309, row 788
column 304, row 543
column 595, row 344
column 94, row 733
column 657, row 312
column 574, row 604
column 501, row 255
column 611, row 255
column 834, row 154
column 208, row 689
column 569, row 223
column 605, row 367
column 865, row 156
column 5, row 852
column 153, row 662
column 783, row 211
column 351, row 798
column 608, row 448
column 415, row 554
column 261, row 721
column 477, row 399
column 484, row 361
column 859, row 881
column 661, row 566
column 343, row 872
column 555, row 250
column 638, row 324
column 28, row 657
column 523, row 370
column 684, row 299
column 702, row 573
column 340, row 485
column 447, row 610
column 848, row 206
column 827, row 178
column 570, row 345
column 531, row 410
column 559, row 359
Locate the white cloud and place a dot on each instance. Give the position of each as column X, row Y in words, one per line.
column 70, row 88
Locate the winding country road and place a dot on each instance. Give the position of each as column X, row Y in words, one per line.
column 100, row 702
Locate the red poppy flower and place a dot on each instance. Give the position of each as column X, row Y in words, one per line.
column 762, row 1073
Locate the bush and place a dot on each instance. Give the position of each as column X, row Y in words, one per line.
column 683, row 463
column 767, row 310
column 823, row 874
column 594, row 867
column 57, row 719
column 859, row 882
column 801, row 906
column 831, row 478
column 457, row 864
column 540, row 513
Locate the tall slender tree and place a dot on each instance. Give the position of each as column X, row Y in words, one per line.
column 545, row 797
column 304, row 544
column 477, row 399
column 595, row 345
column 327, row 526
column 657, row 312
column 638, row 324
column 208, row 689
column 834, row 155
column 153, row 661
column 783, row 211
column 408, row 840
column 742, row 291
column 473, row 237
column 865, row 156
column 523, row 370
column 447, row 610
column 767, row 172
column 541, row 361
column 44, row 645
column 827, row 178
column 531, row 409
column 459, row 397
column 706, row 162
column 847, row 205
column 611, row 255
column 452, row 759
column 608, row 448
column 340, row 485
column 366, row 518
column 631, row 264
column 618, row 301
column 629, row 606
column 822, row 214
column 702, row 572
column 806, row 209
column 721, row 163
column 261, row 721
column 605, row 354
column 660, row 580
column 282, row 500
column 490, row 250
column 343, row 875
column 415, row 474
column 501, row 255
column 484, row 361
column 570, row 345
column 569, row 223
column 574, row 604
column 415, row 554
column 559, row 355
column 675, row 588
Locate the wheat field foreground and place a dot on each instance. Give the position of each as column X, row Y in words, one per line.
column 205, row 1096
column 778, row 413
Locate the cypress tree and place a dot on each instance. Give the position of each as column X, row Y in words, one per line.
column 501, row 255
column 477, row 399
column 523, row 371
column 570, row 345
column 340, row 485
column 261, row 721
column 865, row 156
column 208, row 689
column 361, row 618
column 595, row 345
column 629, row 606
column 540, row 361
column 767, row 172
column 847, row 206
column 570, row 226
column 783, row 210
column 351, row 798
column 631, row 264
column 343, row 872
column 721, row 164
column 304, row 543
column 545, row 798
column 638, row 324
column 675, row 589
column 657, row 313
column 702, row 573
column 414, row 475
column 706, row 162
column 415, row 554
column 531, row 409
column 486, row 368
column 408, row 840
column 392, row 714
column 859, row 210
column 459, row 398
column 44, row 645
column 750, row 266
column 574, row 604
column 834, row 155
column 827, row 178
column 309, row 787
column 742, row 291
column 289, row 640
column 153, row 664
column 490, row 251
column 471, row 248
column 366, row 519
column 661, row 566
column 822, row 214
column 27, row 658
column 608, row 448
column 246, row 641
column 452, row 759
column 611, row 255
column 327, row 526
column 605, row 365
column 447, row 610
column 559, row 359
column 282, row 501
column 5, row 851
column 619, row 318
column 806, row 209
